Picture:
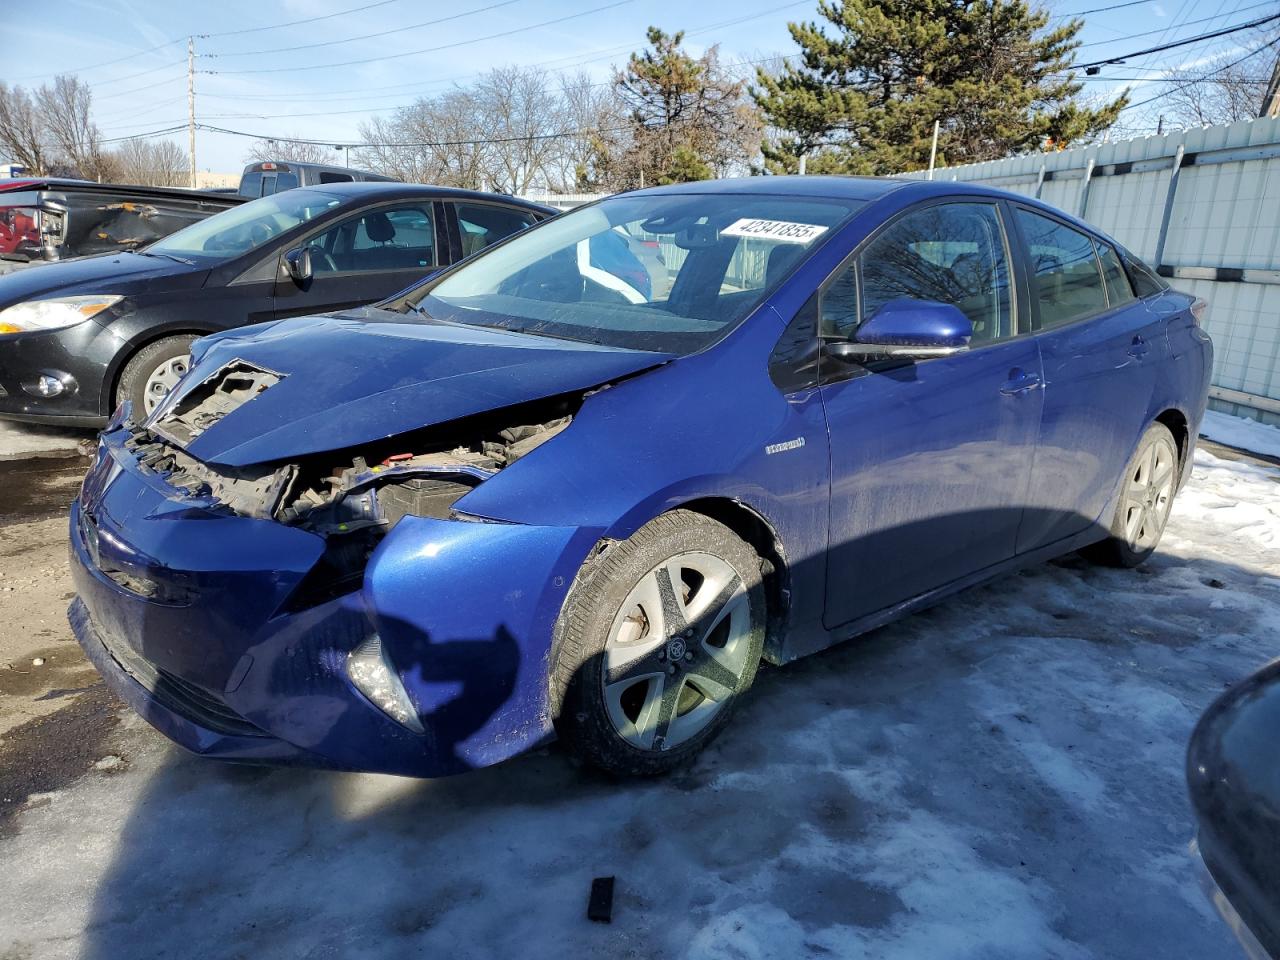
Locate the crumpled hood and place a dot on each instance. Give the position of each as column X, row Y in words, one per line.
column 353, row 378
column 104, row 273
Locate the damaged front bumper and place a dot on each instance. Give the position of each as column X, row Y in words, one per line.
column 193, row 615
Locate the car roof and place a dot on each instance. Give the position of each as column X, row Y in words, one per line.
column 823, row 187
column 830, row 187
column 392, row 190
column 867, row 189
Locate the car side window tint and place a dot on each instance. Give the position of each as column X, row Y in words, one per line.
column 482, row 224
column 947, row 253
column 1146, row 282
column 1117, row 281
column 840, row 304
column 396, row 238
column 1068, row 279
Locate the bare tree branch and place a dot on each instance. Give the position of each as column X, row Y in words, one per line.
column 289, row 149
column 157, row 163
column 1217, row 92
column 22, row 137
column 65, row 109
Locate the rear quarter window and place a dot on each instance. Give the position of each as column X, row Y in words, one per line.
column 1146, row 282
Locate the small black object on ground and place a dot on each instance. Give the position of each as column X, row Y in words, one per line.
column 600, row 906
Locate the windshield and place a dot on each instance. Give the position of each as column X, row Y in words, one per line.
column 661, row 273
column 245, row 227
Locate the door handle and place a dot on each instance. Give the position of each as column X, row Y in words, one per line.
column 1138, row 348
column 1020, row 381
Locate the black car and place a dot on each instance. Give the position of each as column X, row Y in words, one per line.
column 1234, row 776
column 45, row 219
column 78, row 338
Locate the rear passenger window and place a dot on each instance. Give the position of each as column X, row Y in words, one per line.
column 948, row 253
column 1146, row 282
column 1118, row 289
column 484, row 223
column 1068, row 280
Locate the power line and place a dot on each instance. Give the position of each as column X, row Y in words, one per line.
column 1189, row 23
column 575, row 60
column 295, row 23
column 415, row 53
column 208, row 36
column 143, row 73
column 106, row 63
column 1114, row 6
column 147, row 135
column 418, row 88
column 367, row 36
column 1212, row 73
column 478, row 141
column 1211, row 35
column 145, row 86
column 369, row 110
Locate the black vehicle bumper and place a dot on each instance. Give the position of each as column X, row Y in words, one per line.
column 1226, row 909
column 79, row 357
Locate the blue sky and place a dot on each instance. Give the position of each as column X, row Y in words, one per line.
column 317, row 93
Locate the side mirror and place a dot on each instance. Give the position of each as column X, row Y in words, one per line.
column 298, row 263
column 908, row 329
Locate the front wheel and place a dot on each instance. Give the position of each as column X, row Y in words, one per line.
column 1146, row 497
column 657, row 644
column 152, row 372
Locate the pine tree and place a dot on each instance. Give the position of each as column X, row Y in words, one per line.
column 689, row 119
column 864, row 96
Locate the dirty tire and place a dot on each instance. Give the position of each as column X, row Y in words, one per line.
column 1153, row 468
column 132, row 385
column 705, row 562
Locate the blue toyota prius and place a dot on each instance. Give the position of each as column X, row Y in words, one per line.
column 543, row 494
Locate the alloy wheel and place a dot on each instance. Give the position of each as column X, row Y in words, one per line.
column 1149, row 495
column 163, row 379
column 677, row 651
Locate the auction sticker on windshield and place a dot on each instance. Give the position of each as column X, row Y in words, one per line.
column 774, row 230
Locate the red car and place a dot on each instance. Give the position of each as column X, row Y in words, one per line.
column 18, row 230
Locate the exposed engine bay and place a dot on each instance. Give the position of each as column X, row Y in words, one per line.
column 373, row 488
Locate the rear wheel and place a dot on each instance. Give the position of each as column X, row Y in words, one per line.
column 152, row 372
column 658, row 643
column 1150, row 482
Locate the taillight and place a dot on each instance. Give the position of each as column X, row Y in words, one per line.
column 1197, row 310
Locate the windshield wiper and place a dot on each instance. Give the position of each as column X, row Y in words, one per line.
column 167, row 256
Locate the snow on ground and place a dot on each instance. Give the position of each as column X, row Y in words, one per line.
column 998, row 777
column 19, row 441
column 1241, row 432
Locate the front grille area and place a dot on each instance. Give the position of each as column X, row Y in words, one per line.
column 145, row 587
column 185, row 699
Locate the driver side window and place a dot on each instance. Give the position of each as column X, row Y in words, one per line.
column 951, row 253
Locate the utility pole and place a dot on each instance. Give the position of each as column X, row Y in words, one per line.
column 933, row 150
column 191, row 108
column 1271, row 100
